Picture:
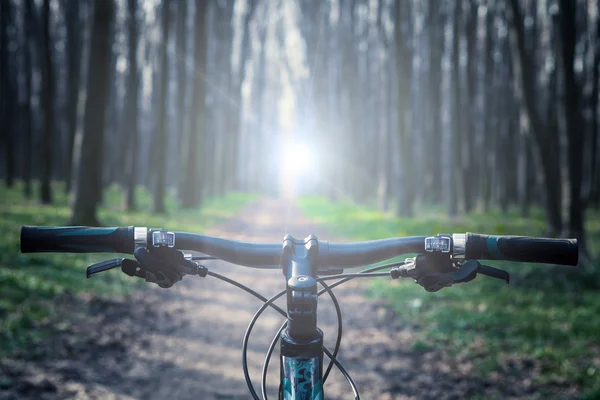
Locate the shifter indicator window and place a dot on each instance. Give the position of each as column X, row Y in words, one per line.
column 163, row 239
column 438, row 244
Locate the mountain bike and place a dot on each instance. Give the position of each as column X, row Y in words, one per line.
column 440, row 261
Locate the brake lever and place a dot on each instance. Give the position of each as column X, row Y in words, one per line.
column 104, row 266
column 466, row 270
column 494, row 273
column 433, row 281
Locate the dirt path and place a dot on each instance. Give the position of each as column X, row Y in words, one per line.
column 185, row 343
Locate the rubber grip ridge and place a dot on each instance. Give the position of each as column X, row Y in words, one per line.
column 522, row 249
column 77, row 239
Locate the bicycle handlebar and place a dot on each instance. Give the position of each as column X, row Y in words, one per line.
column 343, row 255
column 521, row 248
column 233, row 251
column 77, row 239
column 81, row 239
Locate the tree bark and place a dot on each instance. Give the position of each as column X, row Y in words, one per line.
column 159, row 149
column 193, row 183
column 182, row 84
column 225, row 137
column 258, row 92
column 48, row 97
column 490, row 133
column 405, row 191
column 89, row 143
column 547, row 143
column 131, row 112
column 469, row 140
column 437, row 49
column 454, row 147
column 594, row 191
column 8, row 92
column 73, row 67
column 574, row 120
column 242, row 150
column 385, row 155
column 26, row 115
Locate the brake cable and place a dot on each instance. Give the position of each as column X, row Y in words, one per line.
column 241, row 286
column 338, row 340
column 247, row 338
column 346, row 278
column 354, row 275
column 203, row 271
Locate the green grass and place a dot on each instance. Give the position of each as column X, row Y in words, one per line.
column 549, row 315
column 32, row 284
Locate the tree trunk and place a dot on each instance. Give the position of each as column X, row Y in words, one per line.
column 48, row 98
column 159, row 149
column 258, row 91
column 27, row 125
column 182, row 83
column 454, row 165
column 225, row 136
column 131, row 111
column 469, row 138
column 490, row 150
column 89, row 147
column 574, row 120
column 385, row 155
column 192, row 188
column 437, row 49
column 594, row 190
column 112, row 164
column 241, row 147
column 8, row 92
column 547, row 145
column 73, row 66
column 405, row 191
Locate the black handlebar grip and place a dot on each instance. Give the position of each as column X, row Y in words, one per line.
column 521, row 248
column 77, row 239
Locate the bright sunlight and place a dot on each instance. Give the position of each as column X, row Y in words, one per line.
column 297, row 160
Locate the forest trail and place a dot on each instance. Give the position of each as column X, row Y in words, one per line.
column 185, row 343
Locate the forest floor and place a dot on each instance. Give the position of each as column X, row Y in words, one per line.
column 185, row 342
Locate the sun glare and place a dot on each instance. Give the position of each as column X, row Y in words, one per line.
column 297, row 157
column 297, row 162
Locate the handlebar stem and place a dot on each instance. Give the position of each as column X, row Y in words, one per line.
column 301, row 341
column 299, row 266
